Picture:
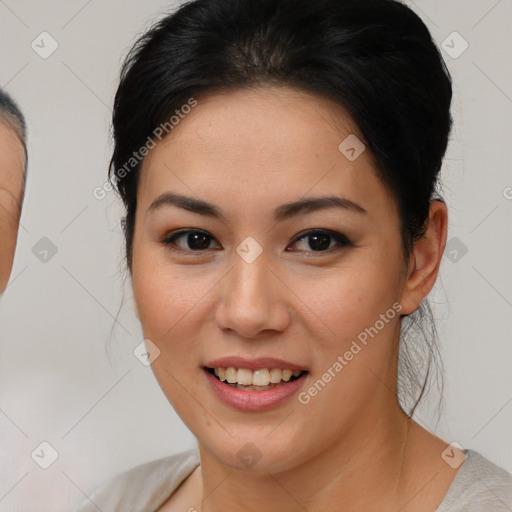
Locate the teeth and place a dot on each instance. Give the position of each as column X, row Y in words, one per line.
column 244, row 377
column 231, row 375
column 275, row 375
column 259, row 377
column 262, row 377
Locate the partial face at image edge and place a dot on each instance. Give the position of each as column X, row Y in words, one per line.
column 12, row 168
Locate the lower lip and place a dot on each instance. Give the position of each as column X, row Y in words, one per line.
column 254, row 400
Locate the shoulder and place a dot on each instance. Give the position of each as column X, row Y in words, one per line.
column 479, row 486
column 143, row 487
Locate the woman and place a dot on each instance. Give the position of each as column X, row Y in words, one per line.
column 278, row 160
column 13, row 161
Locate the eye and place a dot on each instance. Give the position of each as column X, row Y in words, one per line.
column 317, row 240
column 196, row 240
column 320, row 240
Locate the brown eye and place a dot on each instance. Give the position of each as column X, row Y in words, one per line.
column 320, row 240
column 194, row 240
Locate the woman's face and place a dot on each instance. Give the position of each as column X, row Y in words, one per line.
column 269, row 286
column 12, row 162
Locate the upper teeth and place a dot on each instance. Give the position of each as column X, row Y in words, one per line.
column 262, row 377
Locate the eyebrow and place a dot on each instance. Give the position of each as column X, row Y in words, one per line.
column 281, row 213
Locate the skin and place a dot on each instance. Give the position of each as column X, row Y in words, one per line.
column 248, row 152
column 12, row 164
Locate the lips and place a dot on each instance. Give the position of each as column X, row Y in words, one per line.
column 256, row 384
column 254, row 364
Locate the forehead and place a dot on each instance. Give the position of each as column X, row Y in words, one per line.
column 263, row 144
column 272, row 123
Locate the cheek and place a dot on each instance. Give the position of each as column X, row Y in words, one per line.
column 352, row 298
column 164, row 297
column 172, row 304
column 170, row 299
column 356, row 356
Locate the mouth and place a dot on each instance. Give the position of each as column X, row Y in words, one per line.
column 255, row 384
column 262, row 379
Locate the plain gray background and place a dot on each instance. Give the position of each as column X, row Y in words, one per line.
column 67, row 372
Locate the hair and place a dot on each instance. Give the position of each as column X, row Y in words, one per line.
column 375, row 58
column 11, row 116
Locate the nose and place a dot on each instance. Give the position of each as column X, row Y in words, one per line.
column 252, row 299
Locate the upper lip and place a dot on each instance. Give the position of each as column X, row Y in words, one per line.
column 253, row 364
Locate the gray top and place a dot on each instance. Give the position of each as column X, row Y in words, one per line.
column 478, row 486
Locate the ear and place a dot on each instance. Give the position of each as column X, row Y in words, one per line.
column 425, row 259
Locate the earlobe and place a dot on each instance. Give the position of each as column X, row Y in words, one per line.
column 426, row 258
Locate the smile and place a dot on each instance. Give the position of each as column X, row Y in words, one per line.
column 254, row 390
column 255, row 380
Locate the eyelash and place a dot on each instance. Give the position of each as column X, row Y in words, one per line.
column 339, row 238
